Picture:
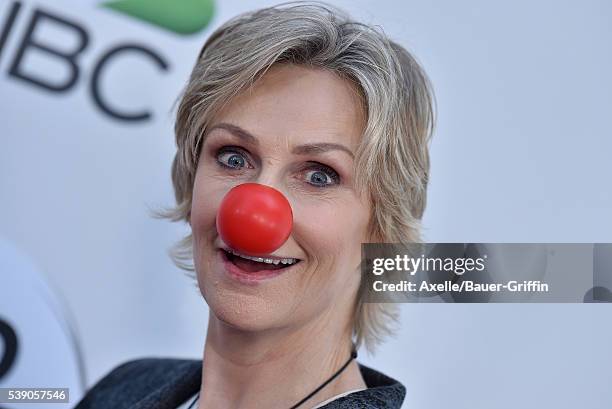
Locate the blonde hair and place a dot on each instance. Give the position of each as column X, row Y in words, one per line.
column 392, row 162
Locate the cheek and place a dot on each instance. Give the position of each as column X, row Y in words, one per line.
column 207, row 195
column 333, row 231
column 318, row 227
column 202, row 208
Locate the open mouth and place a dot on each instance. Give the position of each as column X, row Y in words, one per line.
column 249, row 264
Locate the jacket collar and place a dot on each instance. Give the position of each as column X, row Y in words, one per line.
column 182, row 380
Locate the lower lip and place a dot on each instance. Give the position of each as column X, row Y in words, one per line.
column 245, row 277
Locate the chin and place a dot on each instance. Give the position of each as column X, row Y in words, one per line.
column 248, row 306
column 246, row 312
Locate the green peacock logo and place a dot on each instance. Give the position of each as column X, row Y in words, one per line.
column 182, row 17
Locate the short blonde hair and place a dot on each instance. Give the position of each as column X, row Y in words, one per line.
column 392, row 162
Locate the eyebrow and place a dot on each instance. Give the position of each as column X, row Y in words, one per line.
column 311, row 148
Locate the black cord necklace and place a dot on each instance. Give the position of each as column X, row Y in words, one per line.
column 324, row 384
column 311, row 394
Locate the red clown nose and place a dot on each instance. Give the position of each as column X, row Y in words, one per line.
column 254, row 219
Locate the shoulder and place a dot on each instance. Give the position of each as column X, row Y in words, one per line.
column 383, row 392
column 146, row 383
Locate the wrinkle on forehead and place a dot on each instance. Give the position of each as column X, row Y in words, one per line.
column 297, row 104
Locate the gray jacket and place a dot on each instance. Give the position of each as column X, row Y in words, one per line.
column 162, row 383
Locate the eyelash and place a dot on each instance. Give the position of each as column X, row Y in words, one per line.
column 333, row 175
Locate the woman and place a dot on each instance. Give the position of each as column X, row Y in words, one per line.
column 336, row 117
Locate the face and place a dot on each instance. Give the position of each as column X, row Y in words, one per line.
column 296, row 130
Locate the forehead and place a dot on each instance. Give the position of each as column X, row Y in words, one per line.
column 293, row 104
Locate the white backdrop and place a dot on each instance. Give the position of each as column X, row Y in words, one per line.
column 521, row 154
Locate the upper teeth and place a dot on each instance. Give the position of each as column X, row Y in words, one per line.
column 274, row 261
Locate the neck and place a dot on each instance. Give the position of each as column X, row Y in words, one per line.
column 275, row 368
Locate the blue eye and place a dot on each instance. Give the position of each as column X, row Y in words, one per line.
column 231, row 159
column 322, row 176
